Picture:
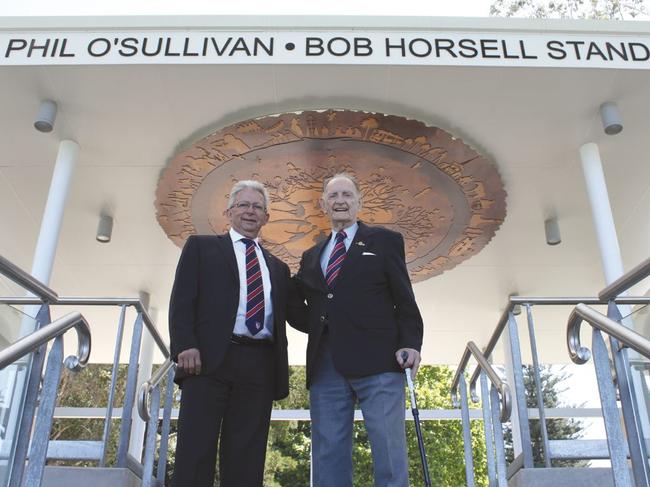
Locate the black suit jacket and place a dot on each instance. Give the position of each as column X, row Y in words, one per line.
column 370, row 313
column 204, row 302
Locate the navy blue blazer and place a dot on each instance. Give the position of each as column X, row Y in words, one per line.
column 370, row 313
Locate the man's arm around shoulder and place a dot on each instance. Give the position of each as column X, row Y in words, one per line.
column 297, row 312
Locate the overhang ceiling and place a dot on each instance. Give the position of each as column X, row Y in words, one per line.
column 130, row 120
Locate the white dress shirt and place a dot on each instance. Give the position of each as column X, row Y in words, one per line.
column 240, row 321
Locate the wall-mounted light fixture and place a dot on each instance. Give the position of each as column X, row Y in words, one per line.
column 105, row 228
column 552, row 230
column 46, row 115
column 611, row 118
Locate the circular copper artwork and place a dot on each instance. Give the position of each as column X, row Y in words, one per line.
column 446, row 199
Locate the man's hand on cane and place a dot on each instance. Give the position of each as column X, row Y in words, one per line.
column 408, row 358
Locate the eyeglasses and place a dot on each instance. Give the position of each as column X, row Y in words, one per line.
column 246, row 206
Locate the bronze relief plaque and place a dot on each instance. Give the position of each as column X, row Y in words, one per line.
column 446, row 199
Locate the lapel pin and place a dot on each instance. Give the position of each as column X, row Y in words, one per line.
column 361, row 244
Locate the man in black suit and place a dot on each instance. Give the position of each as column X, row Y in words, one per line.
column 362, row 317
column 227, row 328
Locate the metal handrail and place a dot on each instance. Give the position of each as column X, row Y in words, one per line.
column 83, row 301
column 58, row 327
column 626, row 281
column 514, row 300
column 149, row 385
column 623, row 334
column 27, row 281
column 483, row 364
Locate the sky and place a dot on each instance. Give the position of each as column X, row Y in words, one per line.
column 458, row 8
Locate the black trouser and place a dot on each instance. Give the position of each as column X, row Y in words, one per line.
column 233, row 405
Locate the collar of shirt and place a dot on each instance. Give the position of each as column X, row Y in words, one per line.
column 236, row 237
column 350, row 232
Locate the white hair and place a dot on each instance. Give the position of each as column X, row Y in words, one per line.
column 248, row 183
column 343, row 175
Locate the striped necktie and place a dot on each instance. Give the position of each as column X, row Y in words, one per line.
column 336, row 260
column 254, row 290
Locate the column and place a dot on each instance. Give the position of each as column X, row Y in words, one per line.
column 48, row 237
column 138, row 426
column 601, row 212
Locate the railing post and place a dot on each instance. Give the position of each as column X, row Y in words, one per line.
column 538, row 386
column 150, row 441
column 29, row 409
column 166, row 424
column 488, row 429
column 467, row 432
column 629, row 406
column 615, row 441
column 145, row 364
column 519, row 392
column 111, row 394
column 502, row 476
column 41, row 439
column 129, row 397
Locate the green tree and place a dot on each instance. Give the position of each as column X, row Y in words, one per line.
column 570, row 9
column 552, row 382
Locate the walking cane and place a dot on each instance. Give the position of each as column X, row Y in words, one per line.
column 416, row 418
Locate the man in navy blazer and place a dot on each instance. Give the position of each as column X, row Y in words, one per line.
column 227, row 329
column 362, row 317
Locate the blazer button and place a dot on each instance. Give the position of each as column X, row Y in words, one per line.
column 330, row 295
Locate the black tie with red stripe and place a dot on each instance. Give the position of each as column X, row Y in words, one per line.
column 254, row 289
column 336, row 260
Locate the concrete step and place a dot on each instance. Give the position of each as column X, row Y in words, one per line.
column 562, row 477
column 90, row 476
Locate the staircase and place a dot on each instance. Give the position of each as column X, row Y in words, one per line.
column 501, row 399
column 90, row 476
column 504, row 400
column 36, row 371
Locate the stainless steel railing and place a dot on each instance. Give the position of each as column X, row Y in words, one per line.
column 622, row 389
column 622, row 338
column 35, row 346
column 149, row 410
column 86, row 301
column 542, row 301
column 626, row 281
column 504, row 391
column 496, row 405
column 33, row 341
column 27, row 281
column 147, row 387
column 620, row 444
column 142, row 320
column 31, row 393
column 46, row 297
column 624, row 335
